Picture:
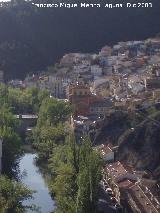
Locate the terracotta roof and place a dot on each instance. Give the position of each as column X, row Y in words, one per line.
column 141, row 200
column 116, row 168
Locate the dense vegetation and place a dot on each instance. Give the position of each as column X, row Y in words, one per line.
column 32, row 38
column 15, row 101
column 76, row 173
column 51, row 126
column 27, row 100
column 22, row 101
column 12, row 194
column 74, row 169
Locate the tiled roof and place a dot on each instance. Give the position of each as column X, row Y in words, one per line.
column 141, row 200
column 116, row 169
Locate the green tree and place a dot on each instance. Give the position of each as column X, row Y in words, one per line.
column 23, row 100
column 50, row 130
column 11, row 140
column 88, row 178
column 46, row 137
column 3, row 94
column 20, row 100
column 76, row 176
column 12, row 195
column 53, row 111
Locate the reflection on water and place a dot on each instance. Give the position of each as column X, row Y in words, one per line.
column 32, row 178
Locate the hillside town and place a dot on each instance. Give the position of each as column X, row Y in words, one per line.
column 123, row 77
column 126, row 74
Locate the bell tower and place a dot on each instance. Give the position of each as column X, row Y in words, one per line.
column 80, row 80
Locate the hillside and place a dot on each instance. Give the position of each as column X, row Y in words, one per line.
column 116, row 123
column 141, row 147
column 32, row 38
column 137, row 137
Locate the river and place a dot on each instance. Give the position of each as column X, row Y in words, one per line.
column 32, row 177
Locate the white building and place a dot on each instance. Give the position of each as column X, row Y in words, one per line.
column 96, row 70
column 82, row 68
column 105, row 51
column 155, row 59
column 58, row 86
column 72, row 58
column 112, row 60
column 16, row 83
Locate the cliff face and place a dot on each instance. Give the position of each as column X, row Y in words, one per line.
column 138, row 140
column 115, row 125
column 140, row 147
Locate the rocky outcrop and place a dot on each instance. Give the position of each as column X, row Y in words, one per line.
column 138, row 140
column 115, row 124
column 140, row 147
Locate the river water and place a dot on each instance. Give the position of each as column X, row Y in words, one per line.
column 32, row 177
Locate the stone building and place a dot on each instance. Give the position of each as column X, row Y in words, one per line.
column 81, row 97
column 129, row 190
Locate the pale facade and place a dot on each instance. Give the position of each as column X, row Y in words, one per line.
column 58, row 86
column 96, row 70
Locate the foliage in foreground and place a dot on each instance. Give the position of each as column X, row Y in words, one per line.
column 51, row 128
column 22, row 101
column 11, row 140
column 12, row 195
column 76, row 170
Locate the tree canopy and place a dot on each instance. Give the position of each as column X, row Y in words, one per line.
column 76, row 169
column 12, row 195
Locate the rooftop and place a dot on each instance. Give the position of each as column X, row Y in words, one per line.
column 116, row 169
column 104, row 149
column 142, row 202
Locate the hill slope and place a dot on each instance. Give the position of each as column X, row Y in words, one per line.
column 32, row 38
column 141, row 147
